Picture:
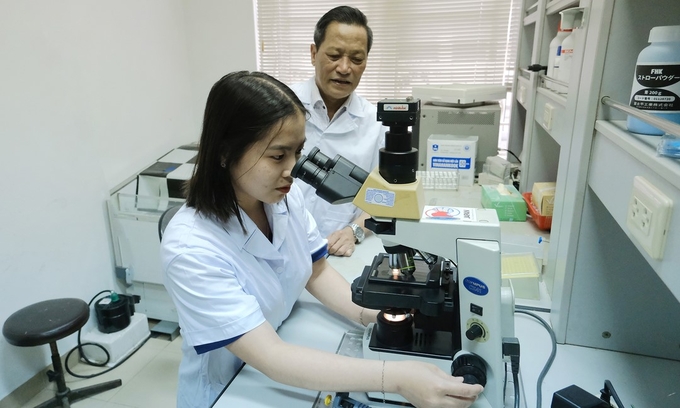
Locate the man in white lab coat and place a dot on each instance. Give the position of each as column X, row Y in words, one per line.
column 341, row 121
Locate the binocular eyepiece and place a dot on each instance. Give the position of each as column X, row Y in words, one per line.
column 336, row 180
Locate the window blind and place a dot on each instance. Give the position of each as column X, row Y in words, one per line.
column 425, row 42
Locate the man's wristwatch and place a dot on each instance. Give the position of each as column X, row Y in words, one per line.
column 358, row 233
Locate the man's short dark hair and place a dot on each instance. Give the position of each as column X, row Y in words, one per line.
column 343, row 15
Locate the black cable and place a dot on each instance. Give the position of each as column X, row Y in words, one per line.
column 87, row 361
column 550, row 360
column 515, row 379
column 511, row 349
column 513, row 155
column 609, row 391
column 505, row 380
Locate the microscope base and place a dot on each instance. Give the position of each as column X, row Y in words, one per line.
column 443, row 359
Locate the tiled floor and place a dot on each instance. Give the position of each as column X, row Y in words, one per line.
column 149, row 379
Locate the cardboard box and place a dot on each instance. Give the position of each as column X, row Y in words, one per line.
column 543, row 197
column 451, row 152
column 506, row 200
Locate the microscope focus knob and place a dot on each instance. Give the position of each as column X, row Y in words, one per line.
column 474, row 332
column 471, row 367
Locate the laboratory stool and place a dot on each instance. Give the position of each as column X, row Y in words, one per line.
column 45, row 323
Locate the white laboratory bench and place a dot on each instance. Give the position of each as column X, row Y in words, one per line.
column 312, row 325
column 641, row 382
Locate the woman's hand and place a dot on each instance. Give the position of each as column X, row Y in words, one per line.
column 424, row 385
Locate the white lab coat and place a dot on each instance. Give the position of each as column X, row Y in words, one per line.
column 354, row 133
column 225, row 283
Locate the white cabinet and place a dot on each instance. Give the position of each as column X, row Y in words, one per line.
column 136, row 249
column 607, row 292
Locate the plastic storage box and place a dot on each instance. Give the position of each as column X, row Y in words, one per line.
column 542, row 221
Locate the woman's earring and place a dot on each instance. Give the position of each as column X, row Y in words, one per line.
column 224, row 165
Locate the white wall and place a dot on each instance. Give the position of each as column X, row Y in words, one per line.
column 90, row 93
column 221, row 35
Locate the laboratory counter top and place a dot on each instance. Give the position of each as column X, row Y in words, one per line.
column 641, row 382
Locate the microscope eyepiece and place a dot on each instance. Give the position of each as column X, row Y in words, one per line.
column 319, row 158
column 306, row 170
column 335, row 180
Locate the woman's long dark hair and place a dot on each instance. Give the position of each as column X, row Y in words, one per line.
column 242, row 108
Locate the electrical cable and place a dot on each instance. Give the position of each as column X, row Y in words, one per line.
column 515, row 380
column 87, row 361
column 511, row 348
column 514, row 173
column 513, row 155
column 550, row 360
column 505, row 380
column 609, row 391
column 532, row 308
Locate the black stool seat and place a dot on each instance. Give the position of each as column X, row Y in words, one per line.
column 45, row 323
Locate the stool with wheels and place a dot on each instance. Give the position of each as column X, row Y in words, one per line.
column 45, row 323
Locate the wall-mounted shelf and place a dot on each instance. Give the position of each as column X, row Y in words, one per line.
column 658, row 122
column 643, row 148
column 585, row 148
column 531, row 19
column 555, row 6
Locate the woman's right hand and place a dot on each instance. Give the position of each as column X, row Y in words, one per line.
column 425, row 385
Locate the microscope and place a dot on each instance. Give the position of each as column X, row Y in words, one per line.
column 438, row 284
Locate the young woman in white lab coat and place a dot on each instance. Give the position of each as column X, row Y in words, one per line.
column 243, row 248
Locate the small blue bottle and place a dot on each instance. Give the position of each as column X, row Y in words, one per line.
column 656, row 85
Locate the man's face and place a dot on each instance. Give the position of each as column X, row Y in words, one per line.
column 340, row 61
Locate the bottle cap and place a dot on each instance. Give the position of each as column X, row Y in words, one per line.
column 665, row 34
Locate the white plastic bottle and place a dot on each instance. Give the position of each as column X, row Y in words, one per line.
column 554, row 54
column 656, row 84
column 571, row 18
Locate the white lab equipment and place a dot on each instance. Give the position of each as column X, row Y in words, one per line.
column 134, row 211
column 461, row 110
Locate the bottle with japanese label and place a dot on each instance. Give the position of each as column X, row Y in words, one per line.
column 656, row 85
column 570, row 20
column 555, row 50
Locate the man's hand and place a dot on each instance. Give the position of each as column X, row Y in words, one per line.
column 341, row 242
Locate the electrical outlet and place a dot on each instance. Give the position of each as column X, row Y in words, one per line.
column 649, row 215
column 641, row 216
column 548, row 116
